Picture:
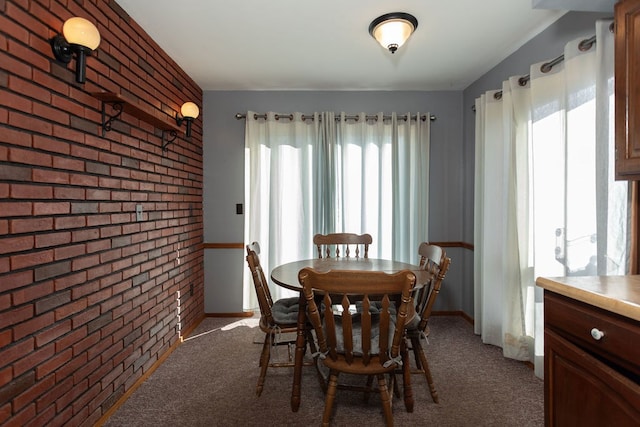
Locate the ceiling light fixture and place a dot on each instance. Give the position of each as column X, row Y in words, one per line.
column 78, row 36
column 189, row 112
column 392, row 30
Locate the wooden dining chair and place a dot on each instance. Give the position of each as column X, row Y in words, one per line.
column 434, row 260
column 342, row 244
column 365, row 342
column 276, row 318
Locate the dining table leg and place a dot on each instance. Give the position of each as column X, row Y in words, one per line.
column 301, row 344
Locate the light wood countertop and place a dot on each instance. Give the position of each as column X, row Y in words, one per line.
column 617, row 294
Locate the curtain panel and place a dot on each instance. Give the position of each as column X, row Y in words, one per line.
column 334, row 174
column 546, row 202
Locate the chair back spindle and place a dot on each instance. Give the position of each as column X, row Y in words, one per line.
column 342, row 244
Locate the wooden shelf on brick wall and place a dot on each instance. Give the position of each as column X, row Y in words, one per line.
column 119, row 104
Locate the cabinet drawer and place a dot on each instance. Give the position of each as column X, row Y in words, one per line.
column 575, row 321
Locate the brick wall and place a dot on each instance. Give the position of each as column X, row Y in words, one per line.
column 90, row 298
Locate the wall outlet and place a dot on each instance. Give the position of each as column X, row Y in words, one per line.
column 138, row 212
column 239, row 209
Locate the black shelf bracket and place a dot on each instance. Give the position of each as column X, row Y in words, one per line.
column 107, row 122
column 165, row 138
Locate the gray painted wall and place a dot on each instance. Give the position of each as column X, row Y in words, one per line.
column 452, row 161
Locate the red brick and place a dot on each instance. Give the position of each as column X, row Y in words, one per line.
column 9, row 63
column 32, row 293
column 16, row 244
column 69, row 252
column 70, row 280
column 51, row 208
column 86, row 153
column 109, row 182
column 15, row 101
column 31, row 259
column 16, row 280
column 110, row 231
column 85, row 235
column 62, row 223
column 68, row 164
column 85, row 262
column 42, row 175
column 32, row 325
column 30, row 225
column 30, row 395
column 34, row 357
column 28, row 89
column 50, row 365
column 31, row 157
column 84, row 180
column 110, row 207
column 24, row 191
column 99, row 271
column 50, row 144
column 31, row 123
column 67, row 133
column 109, row 158
column 98, row 194
column 48, row 80
column 50, row 113
column 85, row 316
column 98, row 246
column 70, row 309
column 69, row 193
column 26, row 20
column 47, row 335
column 52, row 239
column 18, row 352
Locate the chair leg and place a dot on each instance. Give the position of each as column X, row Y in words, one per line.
column 331, row 395
column 385, row 396
column 368, row 388
column 312, row 346
column 394, row 383
column 416, row 353
column 425, row 367
column 264, row 362
column 406, row 378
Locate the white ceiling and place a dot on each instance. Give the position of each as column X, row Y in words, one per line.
column 325, row 45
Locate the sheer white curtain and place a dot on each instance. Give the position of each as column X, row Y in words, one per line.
column 546, row 200
column 362, row 175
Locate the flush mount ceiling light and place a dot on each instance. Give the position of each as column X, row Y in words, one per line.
column 392, row 30
column 189, row 111
column 78, row 36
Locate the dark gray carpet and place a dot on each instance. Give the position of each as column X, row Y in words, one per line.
column 210, row 380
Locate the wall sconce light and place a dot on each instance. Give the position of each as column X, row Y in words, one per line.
column 189, row 112
column 78, row 36
column 392, row 30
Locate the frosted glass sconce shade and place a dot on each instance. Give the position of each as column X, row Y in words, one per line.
column 80, row 37
column 189, row 111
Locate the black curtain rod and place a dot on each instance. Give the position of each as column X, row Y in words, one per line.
column 583, row 46
column 423, row 117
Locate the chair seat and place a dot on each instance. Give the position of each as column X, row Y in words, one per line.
column 285, row 310
column 413, row 323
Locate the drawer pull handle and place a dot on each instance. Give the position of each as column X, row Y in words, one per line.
column 597, row 334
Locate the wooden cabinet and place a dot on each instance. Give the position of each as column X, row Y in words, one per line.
column 592, row 365
column 627, row 89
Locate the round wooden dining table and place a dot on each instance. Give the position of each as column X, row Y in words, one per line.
column 286, row 275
